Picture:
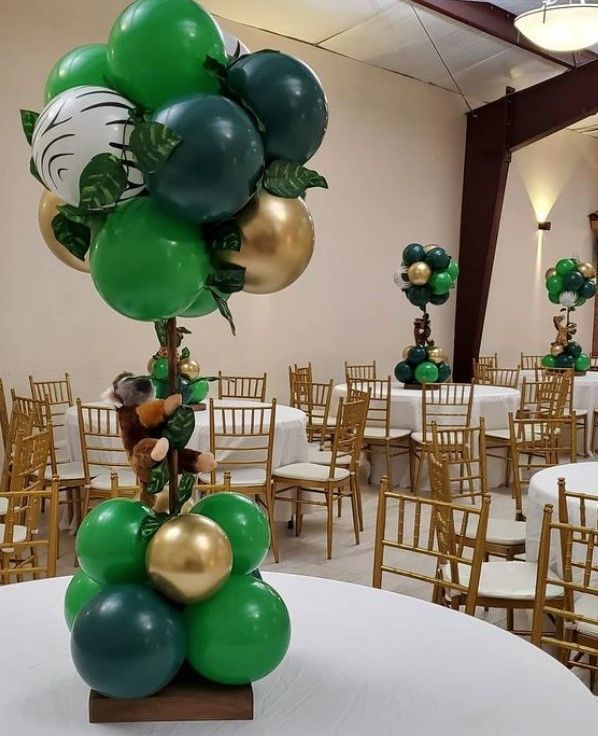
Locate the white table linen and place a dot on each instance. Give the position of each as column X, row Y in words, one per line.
column 491, row 402
column 361, row 662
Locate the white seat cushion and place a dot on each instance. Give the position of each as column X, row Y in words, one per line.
column 529, row 433
column 499, row 531
column 324, row 457
column 3, row 505
column 587, row 605
column 103, row 481
column 506, row 579
column 319, row 421
column 309, row 472
column 67, row 471
column 498, row 434
column 19, row 534
column 240, row 476
column 379, row 433
column 581, row 413
column 419, row 436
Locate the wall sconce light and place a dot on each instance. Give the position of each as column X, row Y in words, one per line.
column 594, row 220
column 544, row 225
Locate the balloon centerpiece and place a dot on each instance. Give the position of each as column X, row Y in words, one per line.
column 570, row 283
column 428, row 274
column 173, row 164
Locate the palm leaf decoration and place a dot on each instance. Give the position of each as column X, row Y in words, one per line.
column 185, row 488
column 152, row 143
column 158, row 478
column 28, row 121
column 102, row 182
column 179, row 427
column 226, row 236
column 75, row 236
column 289, row 179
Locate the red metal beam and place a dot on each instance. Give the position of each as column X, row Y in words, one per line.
column 498, row 22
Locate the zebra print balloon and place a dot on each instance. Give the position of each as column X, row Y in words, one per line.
column 75, row 126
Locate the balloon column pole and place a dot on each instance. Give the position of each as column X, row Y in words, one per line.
column 173, row 471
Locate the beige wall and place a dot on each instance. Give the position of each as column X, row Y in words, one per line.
column 393, row 158
column 555, row 179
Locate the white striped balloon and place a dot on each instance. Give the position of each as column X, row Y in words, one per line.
column 75, row 126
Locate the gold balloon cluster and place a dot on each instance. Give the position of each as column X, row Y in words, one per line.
column 48, row 209
column 189, row 558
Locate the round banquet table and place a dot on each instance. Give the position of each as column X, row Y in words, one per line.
column 491, row 402
column 361, row 662
column 543, row 489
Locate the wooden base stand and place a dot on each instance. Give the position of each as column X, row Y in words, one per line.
column 187, row 698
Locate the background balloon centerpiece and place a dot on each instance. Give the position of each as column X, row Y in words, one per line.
column 173, row 164
column 427, row 275
column 570, row 283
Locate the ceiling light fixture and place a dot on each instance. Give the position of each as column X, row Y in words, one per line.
column 561, row 27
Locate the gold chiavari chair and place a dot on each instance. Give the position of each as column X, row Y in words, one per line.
column 488, row 376
column 21, row 540
column 447, row 404
column 242, row 441
column 575, row 617
column 242, row 387
column 593, row 362
column 379, row 434
column 298, row 371
column 60, row 396
column 585, row 506
column 102, row 452
column 314, row 400
column 360, row 372
column 486, row 361
column 21, row 423
column 530, row 362
column 334, row 481
column 4, row 421
column 464, row 452
column 582, row 420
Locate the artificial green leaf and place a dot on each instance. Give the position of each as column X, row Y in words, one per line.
column 137, row 115
column 179, row 427
column 227, row 280
column 185, row 488
column 75, row 214
column 151, row 144
column 73, row 235
column 223, row 308
column 184, row 331
column 158, row 477
column 34, row 172
column 215, row 67
column 102, row 182
column 290, row 180
column 185, row 353
column 161, row 332
column 28, row 121
column 151, row 523
column 226, row 236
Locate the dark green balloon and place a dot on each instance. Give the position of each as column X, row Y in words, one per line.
column 554, row 297
column 287, row 98
column 555, row 284
column 438, row 259
column 195, row 392
column 240, row 634
column 80, row 591
column 418, row 295
column 588, row 290
column 403, row 372
column 453, row 269
column 416, row 355
column 440, row 282
column 128, row 642
column 565, row 265
column 412, row 253
column 245, row 525
column 564, row 361
column 215, row 169
column 580, row 300
column 426, row 372
column 573, row 281
column 444, row 372
column 574, row 349
column 85, row 65
column 146, row 264
column 549, row 361
column 203, row 304
column 438, row 299
column 582, row 362
column 157, row 51
column 109, row 544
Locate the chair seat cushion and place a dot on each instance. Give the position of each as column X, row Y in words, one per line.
column 581, row 413
column 67, row 471
column 3, row 505
column 19, row 534
column 309, row 472
column 103, row 481
column 241, row 476
column 530, row 432
column 379, row 433
column 324, row 457
column 506, row 579
column 587, row 605
column 499, row 434
column 499, row 531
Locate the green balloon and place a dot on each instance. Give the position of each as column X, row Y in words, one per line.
column 582, row 362
column 555, row 284
column 554, row 297
column 161, row 388
column 418, row 295
column 245, row 525
column 580, row 300
column 574, row 349
column 444, row 372
column 564, row 361
column 588, row 290
column 80, row 591
column 160, row 369
column 565, row 265
column 240, row 634
column 203, row 304
column 157, row 51
column 549, row 361
column 412, row 253
column 195, row 392
column 109, row 544
column 440, row 282
column 426, row 372
column 453, row 269
column 573, row 281
column 85, row 65
column 403, row 372
column 417, row 354
column 147, row 264
column 439, row 299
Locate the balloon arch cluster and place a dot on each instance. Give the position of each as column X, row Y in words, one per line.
column 174, row 174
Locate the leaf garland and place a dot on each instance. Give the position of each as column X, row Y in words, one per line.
column 102, row 182
column 223, row 308
column 185, row 488
column 289, row 179
column 28, row 121
column 179, row 427
column 152, row 143
column 226, row 236
column 35, row 173
column 74, row 236
column 158, row 477
column 227, row 280
column 151, row 523
column 161, row 332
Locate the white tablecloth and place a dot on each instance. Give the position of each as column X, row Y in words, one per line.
column 543, row 489
column 491, row 402
column 362, row 662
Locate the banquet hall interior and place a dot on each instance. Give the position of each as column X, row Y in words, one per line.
column 312, row 318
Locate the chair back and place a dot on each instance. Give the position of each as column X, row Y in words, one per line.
column 242, row 437
column 379, row 397
column 21, row 424
column 242, row 387
column 417, row 539
column 546, row 397
column 490, row 376
column 576, row 614
column 463, row 451
column 530, row 362
column 447, row 404
column 59, row 394
column 577, row 507
column 102, row 449
column 348, row 433
column 363, row 371
column 39, row 409
column 594, row 362
column 314, row 400
column 302, row 372
column 4, row 422
column 486, row 361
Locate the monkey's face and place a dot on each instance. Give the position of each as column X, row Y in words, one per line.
column 134, row 390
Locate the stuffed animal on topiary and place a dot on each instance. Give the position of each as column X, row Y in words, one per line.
column 144, row 424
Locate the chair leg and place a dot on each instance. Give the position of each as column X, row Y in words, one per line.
column 329, row 511
column 339, row 505
column 273, row 535
column 355, row 515
column 418, row 468
column 298, row 513
column 357, row 487
column 388, row 465
column 593, row 448
column 593, row 663
column 510, row 619
column 411, row 453
column 584, row 435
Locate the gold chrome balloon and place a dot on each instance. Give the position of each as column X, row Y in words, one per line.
column 48, row 209
column 406, row 350
column 556, row 350
column 189, row 369
column 189, row 558
column 436, row 355
column 549, row 273
column 587, row 270
column 150, row 364
column 278, row 242
column 419, row 273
